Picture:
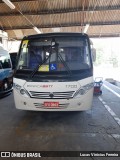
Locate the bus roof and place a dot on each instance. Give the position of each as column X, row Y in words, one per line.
column 55, row 34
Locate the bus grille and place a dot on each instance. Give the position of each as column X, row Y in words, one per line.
column 52, row 95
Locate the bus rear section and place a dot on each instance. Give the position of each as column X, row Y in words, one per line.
column 6, row 74
column 54, row 73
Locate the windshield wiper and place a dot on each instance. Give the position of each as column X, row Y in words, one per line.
column 36, row 69
column 59, row 56
column 65, row 64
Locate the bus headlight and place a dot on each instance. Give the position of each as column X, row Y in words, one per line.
column 83, row 90
column 16, row 86
column 22, row 91
column 88, row 86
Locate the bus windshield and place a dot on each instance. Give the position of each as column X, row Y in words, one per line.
column 52, row 54
column 5, row 62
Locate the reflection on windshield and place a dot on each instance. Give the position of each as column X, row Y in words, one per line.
column 74, row 53
column 5, row 62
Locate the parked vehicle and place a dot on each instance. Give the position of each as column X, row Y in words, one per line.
column 97, row 85
column 54, row 73
column 6, row 74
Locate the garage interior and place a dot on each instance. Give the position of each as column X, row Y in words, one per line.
column 97, row 129
column 61, row 16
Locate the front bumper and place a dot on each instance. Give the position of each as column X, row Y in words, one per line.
column 84, row 102
column 5, row 93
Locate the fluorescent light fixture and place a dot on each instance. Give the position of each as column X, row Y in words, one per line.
column 9, row 3
column 86, row 28
column 37, row 30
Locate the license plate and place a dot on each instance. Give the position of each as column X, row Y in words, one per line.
column 51, row 104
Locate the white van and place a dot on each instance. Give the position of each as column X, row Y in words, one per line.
column 6, row 74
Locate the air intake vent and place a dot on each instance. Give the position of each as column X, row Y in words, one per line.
column 52, row 95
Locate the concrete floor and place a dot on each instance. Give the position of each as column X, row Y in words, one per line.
column 93, row 130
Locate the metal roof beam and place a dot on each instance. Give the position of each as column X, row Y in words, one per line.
column 67, row 10
column 18, row 1
column 62, row 25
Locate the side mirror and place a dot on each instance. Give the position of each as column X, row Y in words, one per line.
column 93, row 51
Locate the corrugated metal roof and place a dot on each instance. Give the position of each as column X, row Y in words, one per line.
column 65, row 15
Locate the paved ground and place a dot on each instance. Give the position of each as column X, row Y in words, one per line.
column 95, row 129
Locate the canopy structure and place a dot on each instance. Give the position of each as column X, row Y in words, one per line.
column 101, row 17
